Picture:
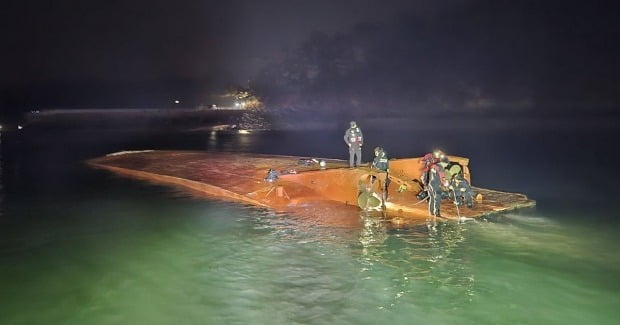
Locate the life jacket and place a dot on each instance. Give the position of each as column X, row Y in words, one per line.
column 381, row 162
column 427, row 162
column 355, row 135
column 436, row 169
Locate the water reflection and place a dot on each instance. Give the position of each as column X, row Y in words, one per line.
column 373, row 233
column 451, row 264
column 1, row 180
column 106, row 251
column 231, row 141
column 212, row 141
column 420, row 259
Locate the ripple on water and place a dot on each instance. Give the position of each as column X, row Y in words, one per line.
column 226, row 263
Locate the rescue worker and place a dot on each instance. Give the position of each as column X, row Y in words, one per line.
column 461, row 190
column 433, row 178
column 354, row 138
column 440, row 156
column 426, row 161
column 382, row 164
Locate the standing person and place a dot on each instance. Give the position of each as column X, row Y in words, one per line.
column 354, row 138
column 382, row 163
column 433, row 177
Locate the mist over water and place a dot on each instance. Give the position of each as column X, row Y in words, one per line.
column 84, row 246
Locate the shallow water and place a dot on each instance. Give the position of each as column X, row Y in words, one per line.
column 81, row 246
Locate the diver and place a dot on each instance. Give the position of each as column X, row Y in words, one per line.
column 433, row 178
column 382, row 164
column 460, row 188
column 427, row 161
column 354, row 138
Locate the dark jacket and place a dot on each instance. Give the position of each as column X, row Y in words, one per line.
column 354, row 137
column 381, row 162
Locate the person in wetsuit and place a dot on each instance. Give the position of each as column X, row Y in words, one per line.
column 382, row 164
column 433, row 178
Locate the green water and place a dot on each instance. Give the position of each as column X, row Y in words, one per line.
column 177, row 260
column 79, row 246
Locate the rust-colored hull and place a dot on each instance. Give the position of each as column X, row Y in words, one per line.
column 308, row 191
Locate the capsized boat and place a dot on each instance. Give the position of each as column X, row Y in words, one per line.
column 308, row 186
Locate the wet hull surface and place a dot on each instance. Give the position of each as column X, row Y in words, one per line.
column 308, row 191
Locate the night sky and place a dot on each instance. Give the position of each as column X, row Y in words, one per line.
column 479, row 57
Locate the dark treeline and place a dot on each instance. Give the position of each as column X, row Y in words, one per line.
column 491, row 58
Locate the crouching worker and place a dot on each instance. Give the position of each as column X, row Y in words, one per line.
column 382, row 164
column 460, row 188
column 433, row 178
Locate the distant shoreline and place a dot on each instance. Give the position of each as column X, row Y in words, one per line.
column 191, row 119
column 132, row 119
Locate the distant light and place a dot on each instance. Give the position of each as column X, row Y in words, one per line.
column 0, row 127
column 243, row 104
column 176, row 101
column 236, row 104
column 19, row 127
column 244, row 132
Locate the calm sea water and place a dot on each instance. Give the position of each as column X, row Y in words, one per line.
column 81, row 246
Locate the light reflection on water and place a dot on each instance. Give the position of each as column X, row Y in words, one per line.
column 117, row 251
column 157, row 259
column 1, row 180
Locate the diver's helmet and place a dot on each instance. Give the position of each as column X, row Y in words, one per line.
column 439, row 155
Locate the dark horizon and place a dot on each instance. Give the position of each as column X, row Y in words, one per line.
column 474, row 58
column 125, row 198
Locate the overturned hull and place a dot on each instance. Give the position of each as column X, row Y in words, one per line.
column 309, row 190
